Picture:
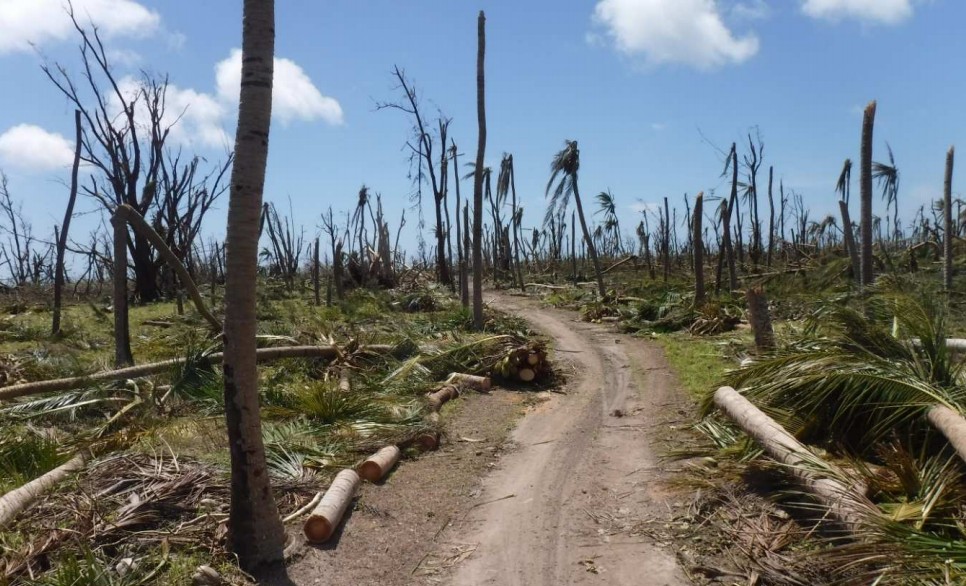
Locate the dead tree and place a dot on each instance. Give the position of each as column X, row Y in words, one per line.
column 65, row 227
column 126, row 129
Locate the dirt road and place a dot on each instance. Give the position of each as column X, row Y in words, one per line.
column 567, row 506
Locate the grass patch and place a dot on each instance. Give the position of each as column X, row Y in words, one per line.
column 699, row 363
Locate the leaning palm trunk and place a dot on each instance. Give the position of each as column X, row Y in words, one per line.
column 256, row 533
column 591, row 249
column 132, row 217
column 698, row 244
column 18, row 499
column 844, row 504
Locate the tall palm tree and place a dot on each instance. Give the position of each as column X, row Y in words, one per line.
column 865, row 192
column 888, row 177
column 478, row 177
column 563, row 171
column 607, row 205
column 257, row 535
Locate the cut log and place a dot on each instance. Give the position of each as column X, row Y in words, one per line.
column 18, row 499
column 379, row 464
column 439, row 397
column 843, row 503
column 952, row 425
column 535, row 358
column 526, row 374
column 344, row 384
column 262, row 355
column 327, row 515
column 428, row 441
column 477, row 383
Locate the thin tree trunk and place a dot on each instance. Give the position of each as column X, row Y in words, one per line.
column 865, row 186
column 65, row 227
column 667, row 241
column 478, row 175
column 256, row 534
column 591, row 249
column 849, row 237
column 760, row 319
column 697, row 243
column 948, row 222
column 316, row 285
column 573, row 244
column 464, row 269
column 771, row 217
column 122, row 336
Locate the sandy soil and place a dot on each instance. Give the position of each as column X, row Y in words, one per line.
column 567, row 498
column 566, row 507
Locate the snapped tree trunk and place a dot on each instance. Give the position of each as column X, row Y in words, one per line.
column 771, row 215
column 18, row 499
column 591, row 249
column 316, row 285
column 697, row 243
column 865, row 187
column 65, row 227
column 760, row 319
column 478, row 175
column 256, row 534
column 948, row 222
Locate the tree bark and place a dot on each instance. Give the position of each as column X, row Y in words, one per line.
column 760, row 319
column 122, row 336
column 478, row 175
column 316, row 285
column 697, row 242
column 865, row 187
column 849, row 238
column 948, row 222
column 591, row 249
column 256, row 534
column 65, row 227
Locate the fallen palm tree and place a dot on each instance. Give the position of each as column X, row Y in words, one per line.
column 18, row 499
column 952, row 425
column 844, row 503
column 262, row 354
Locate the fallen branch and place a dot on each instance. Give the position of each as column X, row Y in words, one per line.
column 262, row 355
column 18, row 499
column 617, row 264
column 952, row 425
column 304, row 509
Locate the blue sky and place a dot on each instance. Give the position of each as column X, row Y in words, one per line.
column 646, row 86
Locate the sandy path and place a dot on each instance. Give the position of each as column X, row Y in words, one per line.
column 583, row 474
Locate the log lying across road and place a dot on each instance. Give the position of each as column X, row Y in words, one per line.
column 844, row 503
column 262, row 354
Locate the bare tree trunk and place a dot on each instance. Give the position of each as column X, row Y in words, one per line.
column 65, row 227
column 478, row 175
column 849, row 238
column 573, row 244
column 865, row 186
column 256, row 535
column 122, row 336
column 771, row 217
column 316, row 285
column 667, row 241
column 760, row 319
column 467, row 251
column 948, row 222
column 697, row 244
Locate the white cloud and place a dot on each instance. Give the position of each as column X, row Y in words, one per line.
column 23, row 22
column 871, row 11
column 689, row 32
column 294, row 96
column 31, row 147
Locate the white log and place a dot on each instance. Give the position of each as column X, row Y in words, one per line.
column 477, row 383
column 379, row 464
column 18, row 499
column 326, row 516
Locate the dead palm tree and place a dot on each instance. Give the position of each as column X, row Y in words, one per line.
column 865, row 188
column 478, row 178
column 607, row 205
column 256, row 532
column 843, row 188
column 888, row 177
column 948, row 221
column 563, row 171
